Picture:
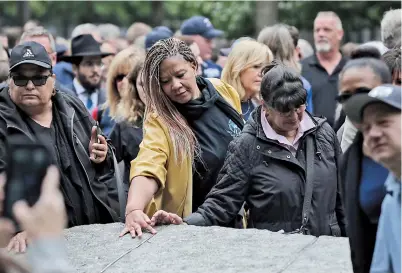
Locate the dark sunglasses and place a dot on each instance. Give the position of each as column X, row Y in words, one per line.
column 348, row 94
column 119, row 77
column 39, row 80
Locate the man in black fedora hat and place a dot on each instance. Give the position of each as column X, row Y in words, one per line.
column 86, row 58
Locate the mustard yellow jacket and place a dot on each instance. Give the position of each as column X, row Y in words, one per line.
column 155, row 159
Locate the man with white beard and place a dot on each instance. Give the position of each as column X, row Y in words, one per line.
column 322, row 69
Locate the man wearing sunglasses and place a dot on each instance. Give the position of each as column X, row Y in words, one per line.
column 33, row 108
column 45, row 38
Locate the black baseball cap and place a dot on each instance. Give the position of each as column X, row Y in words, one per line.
column 387, row 94
column 200, row 25
column 30, row 53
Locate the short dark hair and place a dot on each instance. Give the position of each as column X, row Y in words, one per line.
column 367, row 57
column 282, row 88
column 392, row 59
column 77, row 61
column 365, row 51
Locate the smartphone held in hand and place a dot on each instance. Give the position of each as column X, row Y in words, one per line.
column 98, row 132
column 27, row 163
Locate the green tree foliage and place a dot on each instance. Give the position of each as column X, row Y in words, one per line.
column 237, row 18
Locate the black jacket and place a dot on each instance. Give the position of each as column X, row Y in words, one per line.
column 126, row 139
column 361, row 231
column 213, row 137
column 76, row 118
column 271, row 181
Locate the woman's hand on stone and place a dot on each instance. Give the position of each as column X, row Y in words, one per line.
column 136, row 221
column 162, row 217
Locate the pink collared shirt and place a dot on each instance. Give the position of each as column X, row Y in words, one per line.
column 305, row 125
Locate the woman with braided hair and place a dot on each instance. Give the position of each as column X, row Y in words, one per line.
column 189, row 123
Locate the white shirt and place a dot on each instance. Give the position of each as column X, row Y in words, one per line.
column 83, row 95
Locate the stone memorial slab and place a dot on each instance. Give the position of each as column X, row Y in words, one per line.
column 203, row 249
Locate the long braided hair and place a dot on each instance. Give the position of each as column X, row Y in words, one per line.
column 183, row 139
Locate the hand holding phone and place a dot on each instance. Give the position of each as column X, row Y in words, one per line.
column 98, row 132
column 97, row 145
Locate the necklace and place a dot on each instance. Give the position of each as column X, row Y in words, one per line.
column 248, row 107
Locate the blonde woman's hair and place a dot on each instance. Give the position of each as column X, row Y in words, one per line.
column 279, row 40
column 244, row 54
column 132, row 107
column 184, row 142
column 122, row 63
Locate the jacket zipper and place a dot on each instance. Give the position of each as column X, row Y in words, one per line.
column 75, row 138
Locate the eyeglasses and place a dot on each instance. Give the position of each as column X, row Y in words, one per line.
column 119, row 77
column 39, row 80
column 297, row 110
column 342, row 98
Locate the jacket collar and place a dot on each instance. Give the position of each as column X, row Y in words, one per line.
column 101, row 93
column 305, row 125
column 313, row 61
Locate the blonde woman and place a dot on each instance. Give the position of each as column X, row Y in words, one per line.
column 243, row 71
column 189, row 124
column 119, row 68
column 126, row 134
column 282, row 40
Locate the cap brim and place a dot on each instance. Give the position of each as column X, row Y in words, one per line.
column 89, row 54
column 38, row 63
column 225, row 51
column 213, row 33
column 354, row 106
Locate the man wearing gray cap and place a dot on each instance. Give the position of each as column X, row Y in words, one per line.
column 378, row 114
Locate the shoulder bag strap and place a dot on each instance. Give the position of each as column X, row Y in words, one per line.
column 308, row 193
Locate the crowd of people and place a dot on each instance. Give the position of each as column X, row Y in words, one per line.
column 269, row 134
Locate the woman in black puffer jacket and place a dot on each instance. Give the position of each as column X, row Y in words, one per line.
column 282, row 154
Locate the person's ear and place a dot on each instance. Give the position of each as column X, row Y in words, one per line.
column 75, row 69
column 340, row 34
column 194, row 67
column 53, row 58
